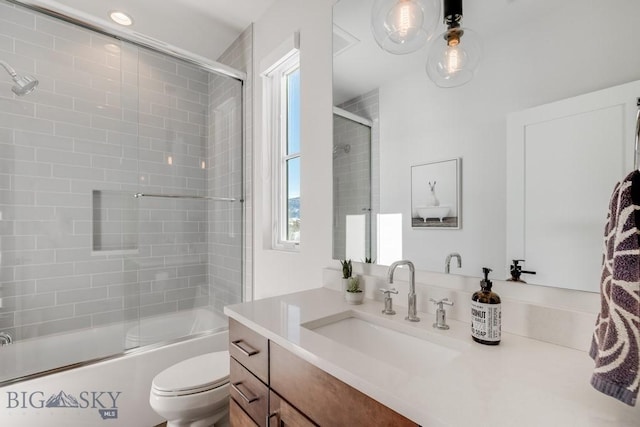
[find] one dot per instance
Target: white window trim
(275, 92)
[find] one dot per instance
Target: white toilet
(194, 392)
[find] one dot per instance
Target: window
(283, 89)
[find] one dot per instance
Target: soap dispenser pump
(486, 316)
(516, 271)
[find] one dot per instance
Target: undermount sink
(388, 341)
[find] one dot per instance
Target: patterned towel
(615, 347)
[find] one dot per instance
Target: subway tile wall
(107, 121)
(356, 174)
(239, 56)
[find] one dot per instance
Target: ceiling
(366, 66)
(204, 27)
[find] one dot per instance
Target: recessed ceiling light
(120, 18)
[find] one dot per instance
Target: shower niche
(114, 222)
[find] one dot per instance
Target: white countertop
(520, 382)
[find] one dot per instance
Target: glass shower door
(121, 213)
(68, 223)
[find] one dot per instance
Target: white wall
(277, 272)
(528, 66)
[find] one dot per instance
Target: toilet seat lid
(198, 373)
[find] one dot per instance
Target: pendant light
(404, 26)
(454, 55)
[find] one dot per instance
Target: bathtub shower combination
(121, 214)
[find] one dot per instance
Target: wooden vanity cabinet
(295, 393)
(282, 414)
(248, 376)
(250, 349)
(238, 417)
(251, 394)
(323, 398)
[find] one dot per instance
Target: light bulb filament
(405, 19)
(453, 59)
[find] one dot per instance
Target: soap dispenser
(486, 317)
(516, 271)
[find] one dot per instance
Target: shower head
(346, 148)
(23, 84)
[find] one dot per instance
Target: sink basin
(387, 340)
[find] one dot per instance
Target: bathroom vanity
(270, 382)
(309, 358)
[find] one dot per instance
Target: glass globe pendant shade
(454, 57)
(404, 26)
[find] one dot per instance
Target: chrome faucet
(5, 339)
(412, 314)
(447, 263)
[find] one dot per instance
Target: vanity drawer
(250, 349)
(323, 398)
(237, 417)
(281, 413)
(249, 392)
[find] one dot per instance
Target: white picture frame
(436, 195)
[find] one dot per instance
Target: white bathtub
(426, 212)
(109, 393)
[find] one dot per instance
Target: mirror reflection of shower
(24, 85)
(353, 214)
(340, 149)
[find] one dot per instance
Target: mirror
(535, 53)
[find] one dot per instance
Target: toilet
(194, 392)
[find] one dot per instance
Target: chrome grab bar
(177, 196)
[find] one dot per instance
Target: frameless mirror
(536, 53)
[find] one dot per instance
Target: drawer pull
(249, 399)
(245, 348)
(271, 415)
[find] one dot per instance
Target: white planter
(345, 284)
(354, 297)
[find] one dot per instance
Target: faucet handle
(388, 302)
(441, 302)
(441, 314)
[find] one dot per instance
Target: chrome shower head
(346, 148)
(23, 84)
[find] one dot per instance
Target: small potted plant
(354, 294)
(366, 266)
(347, 270)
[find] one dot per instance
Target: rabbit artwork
(432, 200)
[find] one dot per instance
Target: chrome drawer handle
(245, 348)
(249, 399)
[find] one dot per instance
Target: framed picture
(435, 195)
